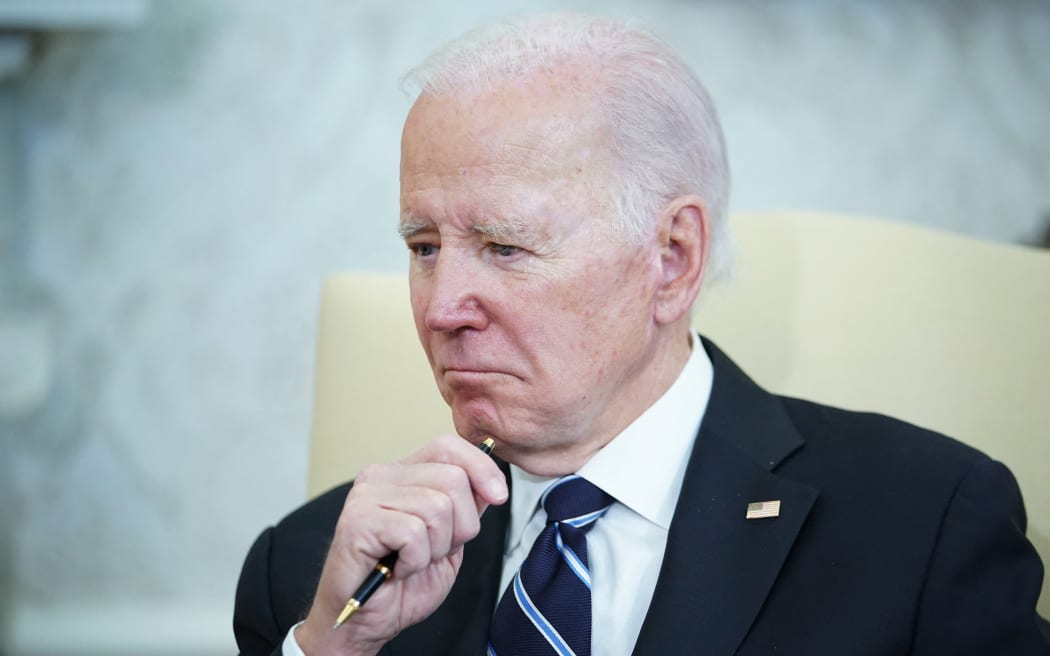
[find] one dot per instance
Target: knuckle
(446, 440)
(368, 474)
(448, 447)
(416, 530)
(454, 478)
(438, 507)
(354, 503)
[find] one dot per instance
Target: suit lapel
(718, 566)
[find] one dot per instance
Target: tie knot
(575, 501)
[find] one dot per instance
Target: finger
(486, 480)
(409, 536)
(435, 509)
(451, 503)
(366, 535)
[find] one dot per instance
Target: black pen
(384, 568)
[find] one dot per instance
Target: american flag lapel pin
(763, 509)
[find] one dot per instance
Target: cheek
(590, 315)
(615, 291)
(419, 299)
(615, 310)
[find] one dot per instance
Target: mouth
(468, 375)
(472, 370)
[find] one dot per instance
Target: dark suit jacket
(890, 540)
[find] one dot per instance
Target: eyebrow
(407, 229)
(506, 231)
(502, 231)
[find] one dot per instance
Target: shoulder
(313, 521)
(277, 580)
(866, 441)
(922, 514)
(833, 444)
(889, 480)
(298, 545)
(299, 542)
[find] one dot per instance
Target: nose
(452, 294)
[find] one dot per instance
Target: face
(537, 321)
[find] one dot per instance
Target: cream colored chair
(941, 330)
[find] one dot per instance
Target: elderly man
(563, 193)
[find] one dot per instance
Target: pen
(384, 568)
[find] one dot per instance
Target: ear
(685, 230)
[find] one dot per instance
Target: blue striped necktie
(546, 608)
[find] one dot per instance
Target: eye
(423, 249)
(504, 250)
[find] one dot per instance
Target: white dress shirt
(642, 468)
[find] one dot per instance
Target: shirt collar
(655, 448)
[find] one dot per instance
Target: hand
(425, 507)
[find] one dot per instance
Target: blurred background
(177, 178)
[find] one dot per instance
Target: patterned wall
(183, 187)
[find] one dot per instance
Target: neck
(669, 356)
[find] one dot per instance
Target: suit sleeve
(254, 623)
(984, 576)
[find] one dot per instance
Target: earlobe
(684, 247)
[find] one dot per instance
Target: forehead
(544, 129)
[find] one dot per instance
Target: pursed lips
(474, 372)
(471, 370)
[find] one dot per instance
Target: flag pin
(763, 509)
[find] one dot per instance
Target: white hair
(666, 137)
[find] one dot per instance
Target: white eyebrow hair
(505, 231)
(407, 229)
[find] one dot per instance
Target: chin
(479, 413)
(474, 421)
(538, 461)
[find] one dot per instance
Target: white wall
(187, 184)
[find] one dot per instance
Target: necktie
(546, 608)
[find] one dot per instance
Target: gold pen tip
(487, 445)
(349, 609)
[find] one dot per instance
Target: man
(563, 193)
